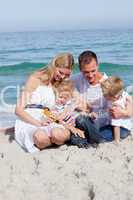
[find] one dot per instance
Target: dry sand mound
(66, 173)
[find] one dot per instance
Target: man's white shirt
(93, 95)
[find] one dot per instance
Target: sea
(22, 53)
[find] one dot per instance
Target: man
(87, 83)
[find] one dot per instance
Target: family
(83, 109)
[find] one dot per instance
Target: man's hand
(93, 115)
(78, 132)
(118, 112)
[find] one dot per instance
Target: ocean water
(24, 52)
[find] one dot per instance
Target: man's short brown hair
(86, 57)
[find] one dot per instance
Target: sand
(67, 172)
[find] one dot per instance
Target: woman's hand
(46, 122)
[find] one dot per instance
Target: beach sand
(67, 172)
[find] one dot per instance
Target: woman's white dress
(24, 131)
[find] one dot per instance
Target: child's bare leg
(116, 130)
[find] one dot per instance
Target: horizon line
(68, 29)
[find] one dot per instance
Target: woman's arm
(30, 86)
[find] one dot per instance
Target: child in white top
(113, 91)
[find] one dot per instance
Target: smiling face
(61, 73)
(90, 71)
(62, 66)
(63, 97)
(64, 92)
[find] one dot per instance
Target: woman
(30, 128)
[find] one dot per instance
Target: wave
(104, 64)
(40, 64)
(21, 67)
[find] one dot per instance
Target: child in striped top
(65, 110)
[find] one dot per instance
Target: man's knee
(41, 140)
(81, 122)
(80, 119)
(124, 133)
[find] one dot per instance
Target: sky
(22, 15)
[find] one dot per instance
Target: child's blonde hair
(65, 86)
(112, 86)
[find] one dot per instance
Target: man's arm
(118, 112)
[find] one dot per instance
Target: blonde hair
(62, 60)
(65, 86)
(46, 77)
(112, 86)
